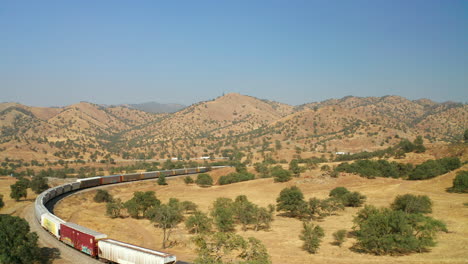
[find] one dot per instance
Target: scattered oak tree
(17, 244)
(114, 208)
(220, 248)
(19, 189)
(388, 232)
(166, 216)
(312, 236)
(39, 184)
(412, 204)
(102, 196)
(204, 180)
(291, 201)
(197, 223)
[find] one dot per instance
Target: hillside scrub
(312, 237)
(432, 168)
(280, 175)
(389, 232)
(235, 177)
(204, 180)
(405, 146)
(412, 204)
(347, 198)
(460, 183)
(382, 168)
(102, 196)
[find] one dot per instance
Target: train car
(81, 238)
(191, 171)
(165, 173)
(132, 177)
(120, 252)
(58, 190)
(110, 179)
(67, 187)
(150, 175)
(75, 185)
(51, 223)
(39, 208)
(89, 182)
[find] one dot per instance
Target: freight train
(95, 244)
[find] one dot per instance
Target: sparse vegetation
(291, 201)
(312, 236)
(102, 196)
(226, 248)
(412, 204)
(204, 180)
(460, 183)
(199, 222)
(280, 174)
(19, 189)
(340, 237)
(385, 231)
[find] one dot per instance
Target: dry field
(282, 240)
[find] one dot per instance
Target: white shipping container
(124, 253)
(51, 223)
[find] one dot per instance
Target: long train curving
(95, 244)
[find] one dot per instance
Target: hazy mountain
(154, 107)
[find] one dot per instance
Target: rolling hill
(232, 121)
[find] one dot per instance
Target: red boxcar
(81, 238)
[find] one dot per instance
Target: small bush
(188, 180)
(102, 196)
(412, 204)
(340, 237)
(235, 177)
(312, 237)
(338, 192)
(353, 199)
(280, 174)
(460, 183)
(162, 180)
(204, 180)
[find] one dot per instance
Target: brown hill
(351, 124)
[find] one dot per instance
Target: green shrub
(102, 196)
(204, 180)
(353, 199)
(460, 183)
(280, 174)
(235, 177)
(291, 200)
(384, 231)
(409, 203)
(188, 180)
(433, 168)
(340, 237)
(338, 192)
(312, 237)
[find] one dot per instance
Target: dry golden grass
(282, 240)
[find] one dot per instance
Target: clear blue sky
(62, 52)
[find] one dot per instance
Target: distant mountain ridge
(157, 108)
(232, 121)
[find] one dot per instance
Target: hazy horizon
(57, 53)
